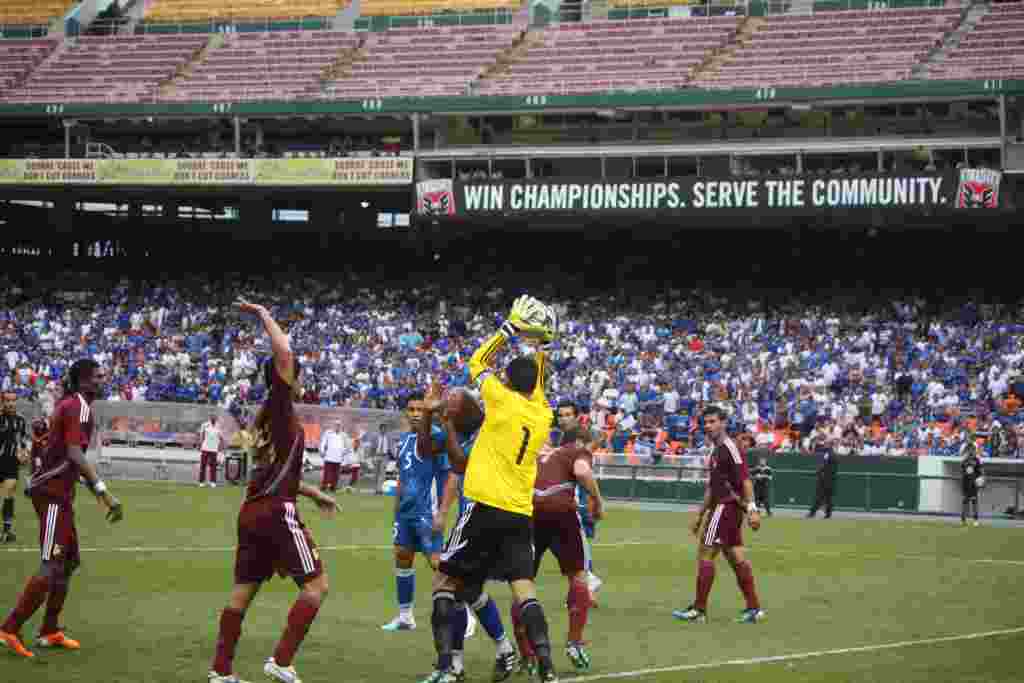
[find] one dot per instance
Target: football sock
(300, 618)
(745, 579)
(441, 622)
(705, 578)
(8, 513)
(460, 620)
(525, 649)
(976, 506)
(963, 511)
(355, 476)
(227, 640)
(28, 602)
(579, 607)
(406, 582)
(489, 617)
(536, 626)
(58, 592)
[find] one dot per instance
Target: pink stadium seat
(994, 49)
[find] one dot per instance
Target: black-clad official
(828, 468)
(762, 476)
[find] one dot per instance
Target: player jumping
(722, 530)
(493, 539)
(460, 447)
(52, 489)
(271, 536)
(557, 527)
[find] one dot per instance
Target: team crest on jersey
(57, 551)
(435, 198)
(978, 189)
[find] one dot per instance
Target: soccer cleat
(443, 677)
(13, 642)
(546, 672)
(691, 614)
(977, 523)
(751, 616)
(579, 657)
(505, 665)
(58, 640)
(8, 537)
(528, 666)
(214, 677)
(470, 624)
(284, 674)
(399, 624)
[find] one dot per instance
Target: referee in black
(14, 448)
(762, 476)
(970, 473)
(828, 467)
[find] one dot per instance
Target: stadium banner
(968, 188)
(209, 172)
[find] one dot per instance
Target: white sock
(505, 646)
(457, 663)
(405, 613)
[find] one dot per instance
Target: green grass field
(846, 599)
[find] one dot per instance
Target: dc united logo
(979, 189)
(435, 198)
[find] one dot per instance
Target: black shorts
(489, 544)
(9, 468)
(969, 489)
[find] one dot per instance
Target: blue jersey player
(422, 476)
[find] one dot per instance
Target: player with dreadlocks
(52, 489)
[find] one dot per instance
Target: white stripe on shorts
(300, 538)
(50, 532)
(712, 534)
(455, 542)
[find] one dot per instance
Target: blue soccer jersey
(584, 512)
(421, 478)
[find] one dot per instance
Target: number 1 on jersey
(522, 449)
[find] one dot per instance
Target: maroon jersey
(728, 470)
(71, 425)
(278, 476)
(554, 491)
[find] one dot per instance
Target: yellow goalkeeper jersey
(503, 465)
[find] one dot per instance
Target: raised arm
(284, 359)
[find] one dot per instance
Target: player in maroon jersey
(719, 522)
(271, 537)
(557, 527)
(52, 489)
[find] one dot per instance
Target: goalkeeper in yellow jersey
(493, 539)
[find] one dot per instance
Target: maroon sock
(745, 578)
(300, 618)
(227, 640)
(28, 602)
(355, 476)
(705, 577)
(522, 640)
(54, 605)
(579, 608)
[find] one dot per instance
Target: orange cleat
(12, 641)
(58, 640)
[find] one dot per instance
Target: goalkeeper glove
(531, 319)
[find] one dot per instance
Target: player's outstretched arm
(115, 513)
(585, 477)
(451, 492)
(284, 360)
(326, 503)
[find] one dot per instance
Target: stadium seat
(19, 57)
(834, 48)
(994, 48)
(415, 7)
(32, 12)
(183, 11)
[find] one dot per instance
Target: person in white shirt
(336, 450)
(211, 444)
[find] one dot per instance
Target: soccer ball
(980, 482)
(389, 487)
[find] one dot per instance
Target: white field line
(624, 544)
(794, 656)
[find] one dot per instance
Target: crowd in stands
(894, 378)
